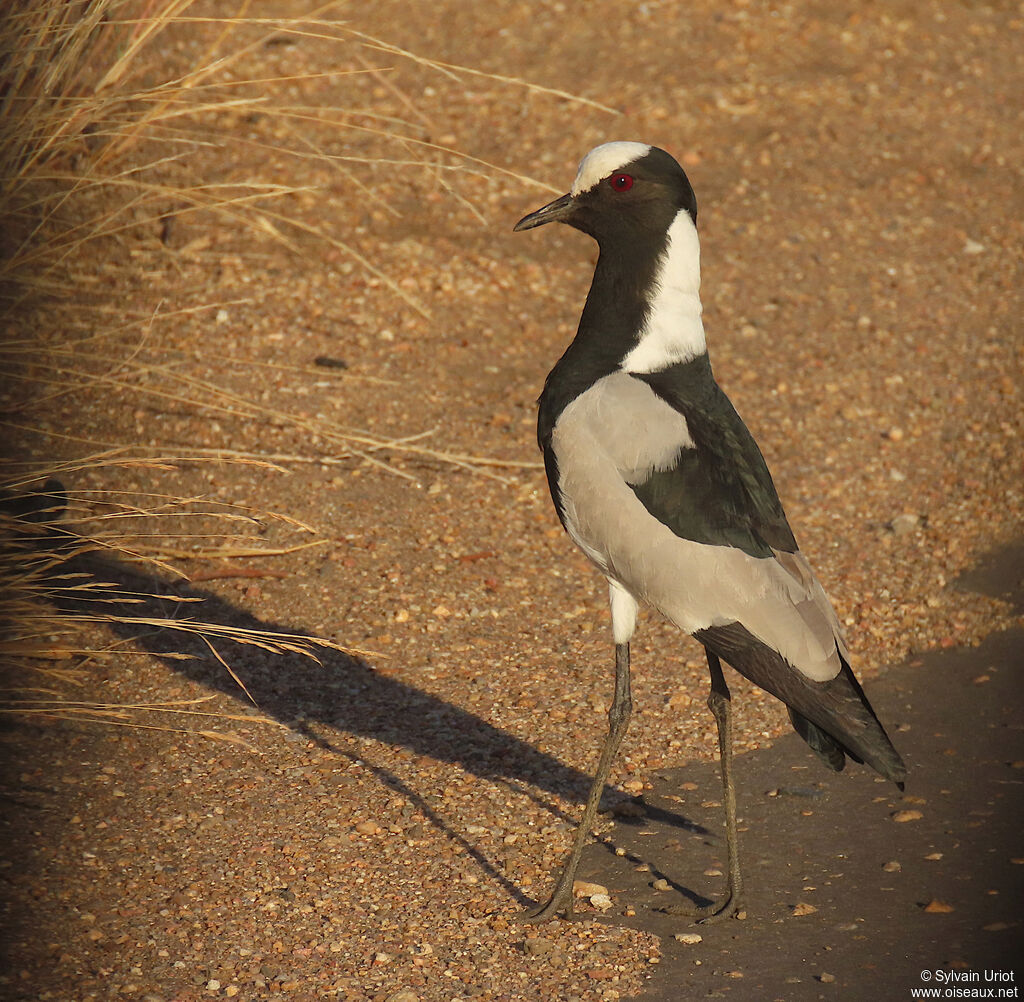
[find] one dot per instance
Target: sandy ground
(373, 827)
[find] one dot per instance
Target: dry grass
(106, 126)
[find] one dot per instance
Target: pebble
(661, 884)
(586, 889)
(689, 938)
(802, 908)
(538, 947)
(901, 817)
(903, 525)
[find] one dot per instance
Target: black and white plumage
(656, 478)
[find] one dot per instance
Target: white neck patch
(604, 160)
(673, 330)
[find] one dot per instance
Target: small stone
(585, 889)
(368, 828)
(892, 866)
(937, 907)
(661, 884)
(601, 902)
(934, 856)
(689, 938)
(538, 947)
(900, 817)
(403, 995)
(802, 908)
(973, 247)
(825, 978)
(903, 525)
(213, 985)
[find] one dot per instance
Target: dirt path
(371, 829)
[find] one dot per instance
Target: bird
(659, 482)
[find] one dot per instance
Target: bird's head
(622, 191)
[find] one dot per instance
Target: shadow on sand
(339, 692)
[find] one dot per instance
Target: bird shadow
(339, 693)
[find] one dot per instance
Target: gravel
(374, 831)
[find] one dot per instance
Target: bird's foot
(729, 908)
(554, 907)
(710, 914)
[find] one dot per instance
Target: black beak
(557, 211)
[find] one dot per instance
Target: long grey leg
(720, 704)
(618, 720)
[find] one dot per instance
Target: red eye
(621, 182)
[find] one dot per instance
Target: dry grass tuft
(114, 115)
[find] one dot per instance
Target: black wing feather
(721, 491)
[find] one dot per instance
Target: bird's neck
(672, 331)
(642, 315)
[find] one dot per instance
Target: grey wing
(609, 443)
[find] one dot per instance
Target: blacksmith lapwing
(659, 482)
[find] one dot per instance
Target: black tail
(830, 751)
(833, 717)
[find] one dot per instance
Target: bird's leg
(618, 721)
(720, 704)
